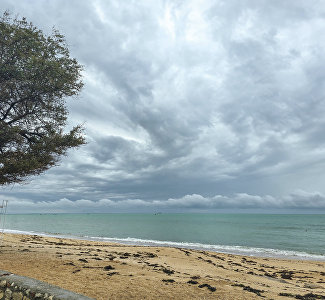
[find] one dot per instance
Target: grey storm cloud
(188, 98)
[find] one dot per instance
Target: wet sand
(114, 271)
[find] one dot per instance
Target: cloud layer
(298, 201)
(193, 98)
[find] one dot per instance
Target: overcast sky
(188, 106)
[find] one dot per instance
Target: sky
(188, 106)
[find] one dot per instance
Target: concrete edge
(35, 289)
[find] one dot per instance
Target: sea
(265, 235)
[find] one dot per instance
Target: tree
(36, 76)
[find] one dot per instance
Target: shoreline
(226, 249)
(105, 270)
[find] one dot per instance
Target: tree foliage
(36, 76)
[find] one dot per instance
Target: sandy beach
(114, 271)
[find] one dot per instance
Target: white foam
(21, 232)
(58, 235)
(241, 250)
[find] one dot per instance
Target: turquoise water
(294, 236)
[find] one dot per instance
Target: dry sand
(113, 271)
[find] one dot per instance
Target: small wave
(45, 234)
(21, 232)
(240, 250)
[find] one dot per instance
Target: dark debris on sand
(168, 271)
(250, 289)
(168, 280)
(192, 282)
(112, 273)
(309, 296)
(286, 274)
(208, 286)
